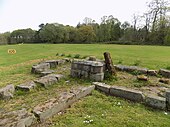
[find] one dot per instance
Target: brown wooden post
(109, 64)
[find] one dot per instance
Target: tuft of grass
(69, 55)
(77, 56)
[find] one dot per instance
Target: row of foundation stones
(40, 113)
(162, 103)
(44, 69)
(134, 69)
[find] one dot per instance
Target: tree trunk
(109, 64)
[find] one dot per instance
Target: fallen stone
(56, 105)
(82, 91)
(168, 98)
(7, 92)
(152, 72)
(102, 87)
(48, 80)
(131, 69)
(28, 86)
(155, 102)
(142, 78)
(127, 93)
(37, 69)
(164, 80)
(20, 118)
(44, 73)
(53, 63)
(165, 73)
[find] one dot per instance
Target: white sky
(21, 14)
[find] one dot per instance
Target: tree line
(152, 27)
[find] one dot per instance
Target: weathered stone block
(26, 86)
(53, 63)
(20, 118)
(97, 77)
(84, 74)
(55, 105)
(96, 68)
(102, 87)
(47, 80)
(47, 72)
(75, 73)
(142, 78)
(37, 69)
(155, 101)
(165, 73)
(60, 62)
(152, 72)
(167, 94)
(7, 92)
(127, 93)
(82, 91)
(164, 80)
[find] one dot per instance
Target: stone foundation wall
(92, 70)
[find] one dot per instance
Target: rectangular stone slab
(165, 73)
(129, 94)
(55, 105)
(168, 98)
(102, 87)
(155, 101)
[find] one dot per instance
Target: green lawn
(105, 111)
(147, 56)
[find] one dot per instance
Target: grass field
(105, 111)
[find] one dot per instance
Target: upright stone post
(109, 64)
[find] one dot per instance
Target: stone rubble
(28, 86)
(48, 80)
(7, 92)
(20, 118)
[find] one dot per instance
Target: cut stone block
(75, 73)
(47, 81)
(164, 80)
(37, 69)
(82, 91)
(97, 77)
(7, 92)
(20, 118)
(155, 102)
(55, 105)
(28, 86)
(102, 87)
(167, 94)
(131, 69)
(60, 62)
(53, 63)
(142, 78)
(44, 73)
(57, 76)
(96, 68)
(165, 73)
(152, 72)
(129, 94)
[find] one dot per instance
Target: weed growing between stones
(109, 77)
(77, 56)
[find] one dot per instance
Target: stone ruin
(92, 70)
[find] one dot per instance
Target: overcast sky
(21, 14)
